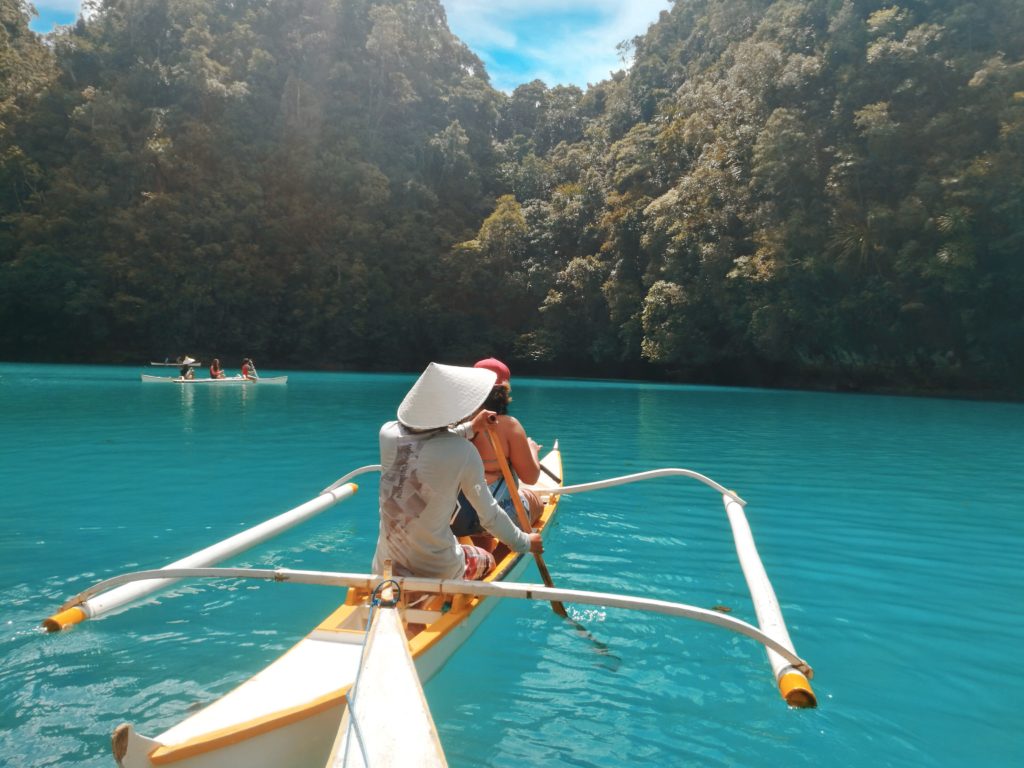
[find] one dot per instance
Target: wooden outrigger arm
(462, 587)
(75, 611)
(651, 474)
(353, 474)
(792, 674)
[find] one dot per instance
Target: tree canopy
(821, 193)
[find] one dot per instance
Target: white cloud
(523, 32)
(478, 21)
(64, 6)
(528, 8)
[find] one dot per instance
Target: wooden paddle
(613, 661)
(550, 474)
(524, 519)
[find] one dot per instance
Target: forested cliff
(823, 193)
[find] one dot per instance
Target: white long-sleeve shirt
(421, 476)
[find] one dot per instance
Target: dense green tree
(781, 192)
(249, 177)
(26, 67)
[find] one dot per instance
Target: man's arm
(492, 517)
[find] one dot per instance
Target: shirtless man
(521, 453)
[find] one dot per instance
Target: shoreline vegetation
(823, 195)
(525, 370)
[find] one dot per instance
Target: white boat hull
(289, 714)
(229, 381)
(307, 743)
(388, 692)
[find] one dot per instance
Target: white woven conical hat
(444, 395)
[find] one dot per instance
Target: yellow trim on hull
(437, 631)
(235, 734)
(339, 622)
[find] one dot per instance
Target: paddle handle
(550, 474)
(524, 519)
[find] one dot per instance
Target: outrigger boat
(297, 712)
(228, 380)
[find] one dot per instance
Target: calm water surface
(892, 530)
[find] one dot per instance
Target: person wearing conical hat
(426, 460)
(521, 453)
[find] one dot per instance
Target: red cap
(493, 364)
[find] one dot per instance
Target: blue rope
(376, 599)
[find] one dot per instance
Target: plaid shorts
(479, 562)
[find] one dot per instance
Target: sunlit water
(891, 529)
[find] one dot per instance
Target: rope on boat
(350, 697)
(388, 602)
(378, 599)
(354, 722)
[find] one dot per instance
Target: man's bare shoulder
(509, 424)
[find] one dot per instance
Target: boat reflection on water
(188, 399)
(194, 406)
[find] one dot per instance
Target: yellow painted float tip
(796, 690)
(64, 619)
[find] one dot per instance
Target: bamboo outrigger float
(292, 712)
(94, 603)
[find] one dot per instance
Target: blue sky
(557, 41)
(53, 12)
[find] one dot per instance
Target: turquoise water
(891, 529)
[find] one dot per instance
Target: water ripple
(890, 528)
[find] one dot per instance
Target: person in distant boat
(216, 372)
(426, 460)
(521, 453)
(249, 369)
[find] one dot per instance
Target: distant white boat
(148, 379)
